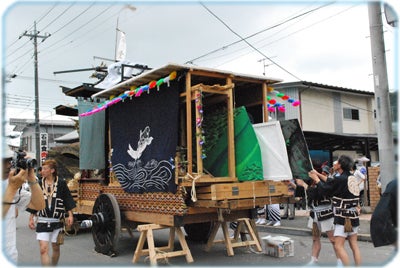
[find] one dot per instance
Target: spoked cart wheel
(106, 227)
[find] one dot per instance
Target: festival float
(185, 148)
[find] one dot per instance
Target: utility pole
(381, 88)
(34, 35)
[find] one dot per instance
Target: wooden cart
(202, 200)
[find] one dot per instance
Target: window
(352, 114)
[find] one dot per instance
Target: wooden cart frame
(217, 199)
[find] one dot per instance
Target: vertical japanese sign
(43, 146)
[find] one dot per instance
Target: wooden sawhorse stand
(233, 242)
(155, 253)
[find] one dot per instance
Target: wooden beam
(189, 122)
(215, 91)
(213, 88)
(264, 102)
(205, 180)
(231, 132)
(208, 74)
(199, 117)
(248, 203)
(210, 217)
(150, 217)
(242, 190)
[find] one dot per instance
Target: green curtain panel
(92, 137)
(247, 149)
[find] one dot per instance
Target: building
(53, 128)
(335, 120)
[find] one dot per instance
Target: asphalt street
(79, 250)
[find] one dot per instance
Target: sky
(316, 41)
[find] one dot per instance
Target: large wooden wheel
(106, 228)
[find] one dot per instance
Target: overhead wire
(73, 19)
(16, 50)
(13, 43)
(16, 101)
(249, 44)
(256, 42)
(24, 77)
(59, 16)
(47, 13)
(259, 32)
(19, 48)
(309, 26)
(38, 20)
(22, 67)
(47, 51)
(68, 23)
(14, 60)
(286, 36)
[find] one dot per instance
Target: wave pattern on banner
(138, 178)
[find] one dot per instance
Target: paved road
(79, 251)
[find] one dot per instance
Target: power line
(47, 13)
(77, 29)
(256, 33)
(265, 55)
(244, 40)
(85, 34)
(46, 52)
(59, 16)
(309, 26)
(283, 37)
(73, 19)
(17, 49)
(47, 79)
(20, 69)
(28, 51)
(10, 45)
(38, 20)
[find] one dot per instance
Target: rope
(193, 190)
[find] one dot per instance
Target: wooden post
(189, 122)
(232, 243)
(231, 132)
(264, 101)
(156, 253)
(199, 102)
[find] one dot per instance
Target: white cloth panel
(273, 151)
